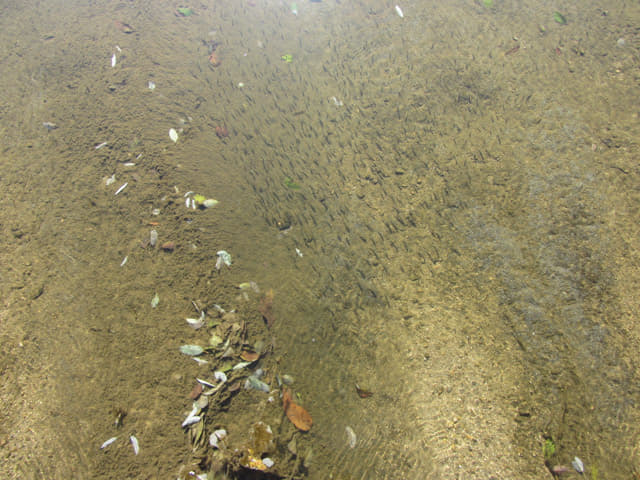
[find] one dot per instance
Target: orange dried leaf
(249, 356)
(195, 393)
(295, 413)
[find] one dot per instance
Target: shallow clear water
(443, 205)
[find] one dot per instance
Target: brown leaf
(195, 393)
(362, 393)
(249, 356)
(295, 413)
(168, 246)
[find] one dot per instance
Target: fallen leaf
(266, 308)
(295, 413)
(249, 356)
(195, 393)
(168, 246)
(362, 393)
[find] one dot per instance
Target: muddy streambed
(443, 205)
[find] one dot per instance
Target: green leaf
(185, 11)
(549, 448)
(559, 18)
(289, 183)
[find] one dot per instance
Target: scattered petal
(108, 442)
(216, 437)
(240, 365)
(192, 350)
(351, 437)
(155, 300)
(122, 187)
(135, 444)
(223, 258)
(195, 323)
(577, 464)
(205, 383)
(190, 420)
